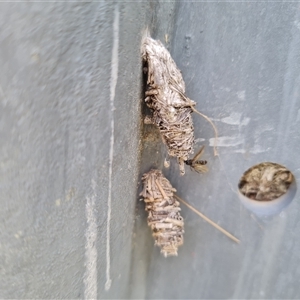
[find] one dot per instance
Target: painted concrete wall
(73, 148)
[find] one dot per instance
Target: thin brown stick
(213, 125)
(208, 220)
(161, 190)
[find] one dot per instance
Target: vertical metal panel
(240, 63)
(55, 131)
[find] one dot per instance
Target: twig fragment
(208, 220)
(213, 126)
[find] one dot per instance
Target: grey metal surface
(56, 84)
(241, 63)
(67, 71)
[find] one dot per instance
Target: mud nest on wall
(165, 96)
(163, 212)
(265, 182)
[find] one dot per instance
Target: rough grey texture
(240, 62)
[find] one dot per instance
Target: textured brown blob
(165, 95)
(266, 181)
(163, 212)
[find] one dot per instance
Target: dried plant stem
(161, 190)
(208, 220)
(213, 126)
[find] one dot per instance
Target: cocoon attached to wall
(163, 212)
(165, 97)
